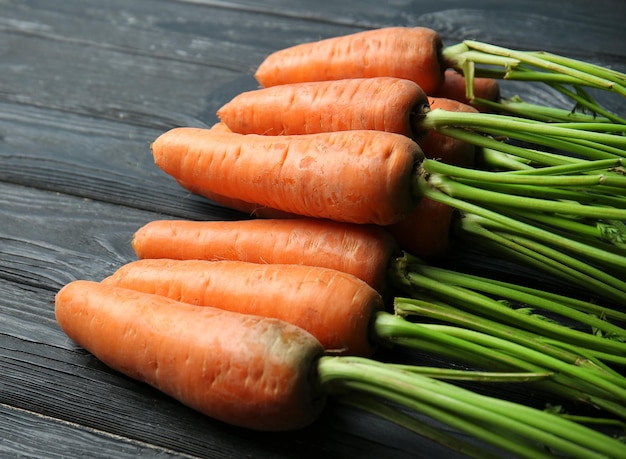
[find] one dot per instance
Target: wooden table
(85, 86)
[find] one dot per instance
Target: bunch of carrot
(349, 161)
(191, 261)
(251, 343)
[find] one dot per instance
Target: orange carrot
(220, 127)
(445, 148)
(454, 87)
(335, 307)
(246, 370)
(379, 103)
(361, 250)
(249, 208)
(412, 53)
(353, 176)
(425, 233)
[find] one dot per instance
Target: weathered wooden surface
(85, 86)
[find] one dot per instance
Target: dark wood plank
(25, 433)
(85, 87)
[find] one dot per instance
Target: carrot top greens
(568, 76)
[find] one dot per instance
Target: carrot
(445, 148)
(455, 87)
(360, 250)
(367, 175)
(412, 53)
(375, 177)
(335, 307)
(249, 208)
(427, 231)
(383, 104)
(265, 374)
(176, 279)
(245, 370)
(380, 103)
(417, 54)
(220, 127)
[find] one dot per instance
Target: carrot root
(378, 103)
(333, 306)
(249, 371)
(412, 53)
(363, 251)
(352, 176)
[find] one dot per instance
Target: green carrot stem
(439, 341)
(607, 150)
(385, 411)
(478, 140)
(549, 176)
(601, 235)
(450, 374)
(525, 74)
(536, 353)
(492, 285)
(496, 160)
(515, 106)
(585, 102)
(566, 267)
(593, 151)
(588, 104)
(486, 306)
(465, 192)
(577, 195)
(594, 420)
(575, 167)
(511, 292)
(601, 71)
(603, 275)
(504, 442)
(602, 359)
(580, 305)
(539, 426)
(582, 369)
(423, 188)
(572, 146)
(596, 126)
(586, 73)
(513, 125)
(597, 261)
(394, 330)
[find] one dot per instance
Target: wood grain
(85, 86)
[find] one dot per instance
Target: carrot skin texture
(378, 103)
(445, 148)
(333, 306)
(352, 176)
(363, 251)
(245, 370)
(412, 53)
